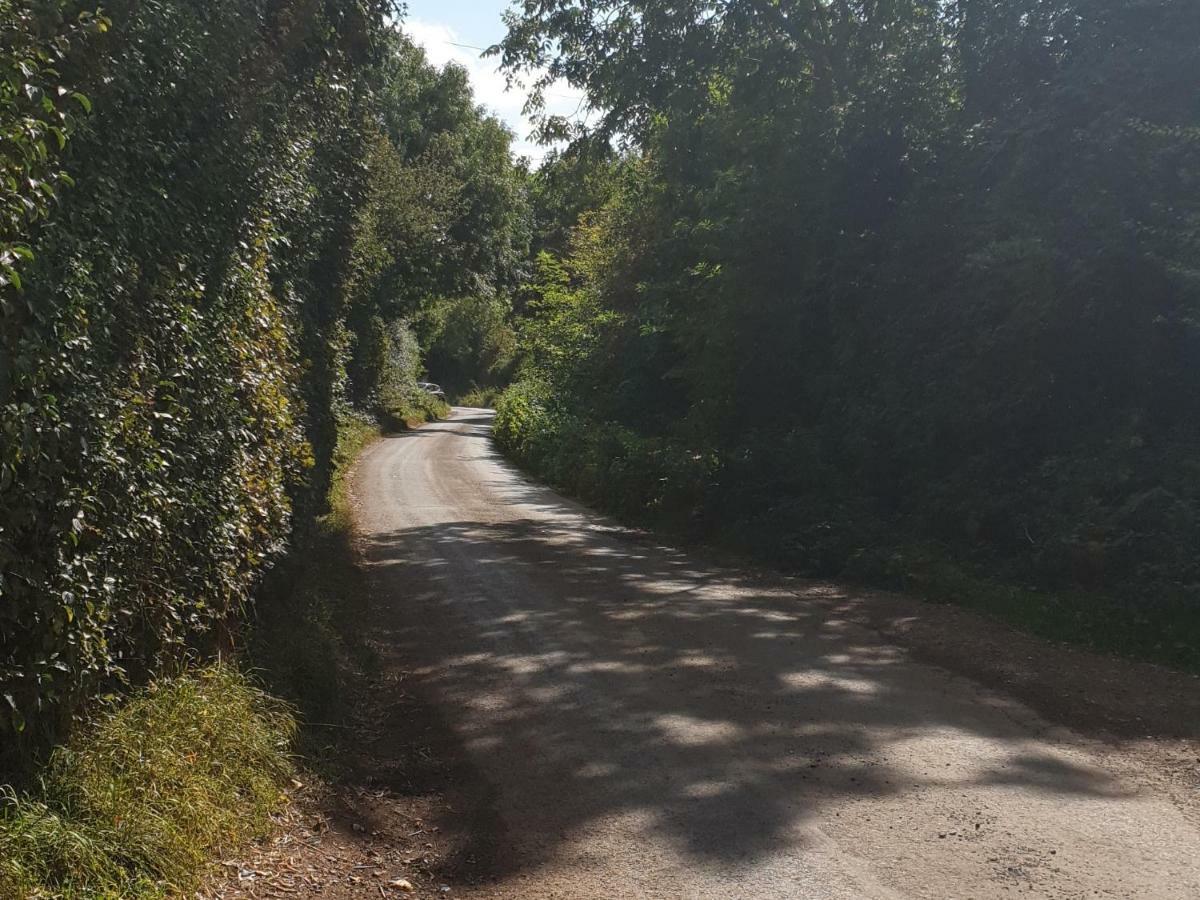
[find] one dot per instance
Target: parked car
(430, 388)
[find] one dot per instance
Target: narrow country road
(649, 726)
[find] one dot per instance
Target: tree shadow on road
(592, 675)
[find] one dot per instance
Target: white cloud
(443, 45)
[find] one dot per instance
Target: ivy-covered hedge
(164, 367)
(148, 388)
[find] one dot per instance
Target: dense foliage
(909, 290)
(202, 278)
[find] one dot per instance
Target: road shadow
(590, 674)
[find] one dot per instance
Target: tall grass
(138, 803)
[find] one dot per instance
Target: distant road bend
(652, 726)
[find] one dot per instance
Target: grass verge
(139, 802)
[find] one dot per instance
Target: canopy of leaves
(37, 112)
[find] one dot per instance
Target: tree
(918, 276)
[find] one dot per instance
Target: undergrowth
(663, 484)
(410, 407)
(138, 802)
(480, 398)
(307, 639)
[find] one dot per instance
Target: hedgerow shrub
(152, 394)
(644, 479)
(204, 282)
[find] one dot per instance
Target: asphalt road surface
(648, 725)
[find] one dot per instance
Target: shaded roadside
(387, 803)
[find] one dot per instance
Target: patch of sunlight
(609, 666)
(690, 731)
(805, 681)
(597, 770)
(706, 790)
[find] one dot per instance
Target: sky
(452, 30)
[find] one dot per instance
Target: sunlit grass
(138, 803)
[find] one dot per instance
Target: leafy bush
(479, 397)
(149, 387)
(643, 479)
(38, 112)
